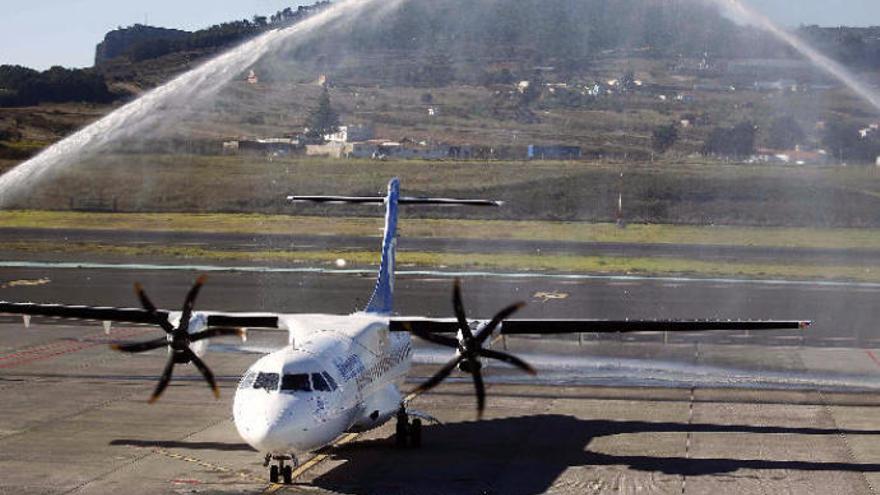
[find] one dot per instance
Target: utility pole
(621, 223)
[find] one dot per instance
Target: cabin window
(266, 381)
(320, 383)
(330, 380)
(296, 383)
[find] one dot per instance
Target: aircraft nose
(276, 425)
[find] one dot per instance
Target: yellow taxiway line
(311, 463)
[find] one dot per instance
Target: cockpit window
(248, 380)
(320, 383)
(296, 383)
(266, 381)
(330, 380)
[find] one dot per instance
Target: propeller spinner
(178, 339)
(469, 348)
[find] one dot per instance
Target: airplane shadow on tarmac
(525, 455)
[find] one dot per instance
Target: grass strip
(840, 238)
(599, 265)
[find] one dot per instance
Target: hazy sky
(42, 33)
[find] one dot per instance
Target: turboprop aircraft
(344, 373)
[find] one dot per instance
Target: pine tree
(323, 119)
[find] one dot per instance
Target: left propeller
(178, 339)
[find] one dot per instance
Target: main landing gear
(408, 433)
(280, 470)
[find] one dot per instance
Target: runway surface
(844, 314)
(74, 419)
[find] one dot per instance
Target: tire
(415, 434)
(402, 433)
(287, 474)
(273, 474)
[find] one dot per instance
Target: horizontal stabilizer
(404, 200)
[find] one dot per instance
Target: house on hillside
(779, 85)
(267, 146)
(406, 149)
(553, 152)
(796, 156)
(332, 149)
(351, 134)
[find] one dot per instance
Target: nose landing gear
(407, 433)
(280, 470)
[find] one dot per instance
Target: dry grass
(598, 265)
(442, 228)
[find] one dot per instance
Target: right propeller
(469, 348)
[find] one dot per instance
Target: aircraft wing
(549, 327)
(134, 315)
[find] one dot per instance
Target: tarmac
(74, 419)
(779, 412)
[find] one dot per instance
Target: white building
(350, 134)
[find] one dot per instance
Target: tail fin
(382, 300)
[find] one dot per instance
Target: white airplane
(344, 373)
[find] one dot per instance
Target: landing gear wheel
(415, 433)
(287, 474)
(273, 474)
(402, 429)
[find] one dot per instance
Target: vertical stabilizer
(382, 300)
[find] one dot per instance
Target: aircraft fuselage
(340, 374)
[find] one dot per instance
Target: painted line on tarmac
(436, 273)
(311, 463)
(205, 464)
(873, 357)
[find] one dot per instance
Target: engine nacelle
(197, 323)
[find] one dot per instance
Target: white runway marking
(444, 274)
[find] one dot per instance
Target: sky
(43, 33)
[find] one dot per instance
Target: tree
(664, 137)
(628, 81)
(737, 142)
(846, 142)
(785, 133)
(323, 119)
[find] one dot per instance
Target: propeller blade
(164, 380)
(190, 302)
(509, 359)
(441, 375)
(458, 306)
(140, 346)
(151, 308)
(217, 332)
(435, 338)
(206, 372)
(481, 392)
(497, 319)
